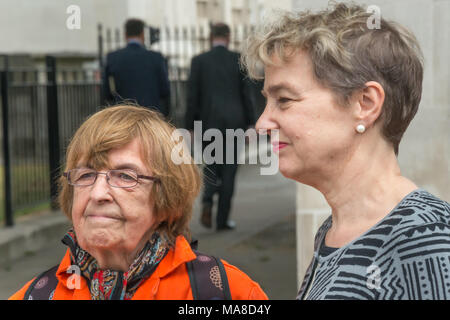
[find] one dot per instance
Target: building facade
(46, 26)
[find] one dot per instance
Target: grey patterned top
(405, 256)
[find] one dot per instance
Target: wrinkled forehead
(99, 157)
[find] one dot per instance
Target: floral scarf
(111, 284)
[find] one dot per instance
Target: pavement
(262, 245)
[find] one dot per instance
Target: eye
(283, 100)
(126, 176)
(85, 176)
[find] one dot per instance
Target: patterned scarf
(116, 285)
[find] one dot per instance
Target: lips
(98, 216)
(278, 145)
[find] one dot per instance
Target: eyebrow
(120, 166)
(281, 86)
(127, 166)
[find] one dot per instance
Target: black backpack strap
(43, 287)
(225, 284)
(208, 278)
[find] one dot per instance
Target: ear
(370, 102)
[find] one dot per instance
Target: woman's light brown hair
(114, 127)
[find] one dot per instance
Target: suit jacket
(218, 92)
(138, 74)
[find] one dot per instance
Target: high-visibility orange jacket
(170, 280)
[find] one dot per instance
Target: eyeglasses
(123, 178)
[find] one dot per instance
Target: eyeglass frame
(139, 176)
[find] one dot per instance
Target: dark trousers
(219, 178)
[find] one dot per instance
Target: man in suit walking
(218, 97)
(136, 73)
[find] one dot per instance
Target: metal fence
(177, 44)
(41, 109)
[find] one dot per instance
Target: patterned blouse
(405, 256)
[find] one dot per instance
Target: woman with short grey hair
(340, 96)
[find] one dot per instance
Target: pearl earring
(361, 128)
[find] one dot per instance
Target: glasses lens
(123, 178)
(82, 177)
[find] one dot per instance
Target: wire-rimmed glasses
(119, 178)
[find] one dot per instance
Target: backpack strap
(208, 278)
(43, 287)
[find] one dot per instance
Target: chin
(298, 175)
(288, 170)
(99, 239)
(291, 174)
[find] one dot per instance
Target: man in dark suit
(218, 97)
(135, 73)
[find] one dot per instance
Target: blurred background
(51, 57)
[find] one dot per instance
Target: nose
(266, 122)
(100, 190)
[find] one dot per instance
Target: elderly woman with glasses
(340, 96)
(130, 207)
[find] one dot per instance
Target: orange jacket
(170, 280)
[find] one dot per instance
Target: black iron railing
(41, 109)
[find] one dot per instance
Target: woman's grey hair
(346, 54)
